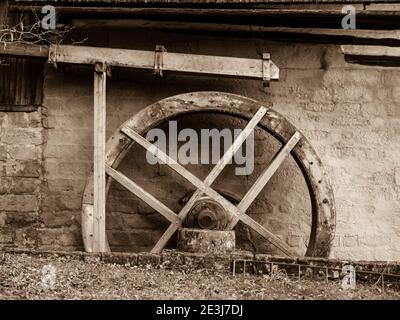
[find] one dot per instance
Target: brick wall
(350, 113)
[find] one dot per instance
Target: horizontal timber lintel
(139, 59)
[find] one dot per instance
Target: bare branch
(34, 33)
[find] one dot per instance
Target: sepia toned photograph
(212, 151)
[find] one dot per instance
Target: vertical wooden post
(99, 133)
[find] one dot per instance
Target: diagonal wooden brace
(263, 179)
(211, 177)
(163, 157)
(144, 195)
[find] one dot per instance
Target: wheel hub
(207, 214)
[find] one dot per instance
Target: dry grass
(21, 275)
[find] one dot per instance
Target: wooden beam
(145, 196)
(292, 11)
(99, 229)
(263, 179)
(372, 55)
(24, 49)
(139, 59)
(277, 13)
(321, 34)
(220, 165)
(375, 51)
(219, 3)
(173, 62)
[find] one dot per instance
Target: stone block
(27, 169)
(121, 258)
(148, 259)
(350, 241)
(18, 203)
(24, 152)
(3, 153)
(17, 136)
(6, 236)
(397, 176)
(207, 241)
(25, 185)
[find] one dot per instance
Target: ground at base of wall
(24, 276)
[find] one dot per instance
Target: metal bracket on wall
(266, 69)
(159, 60)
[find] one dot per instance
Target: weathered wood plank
(376, 51)
(243, 30)
(372, 55)
(99, 229)
(174, 62)
(211, 12)
(21, 83)
(139, 59)
(87, 226)
(217, 169)
(263, 179)
(145, 196)
(24, 49)
(208, 2)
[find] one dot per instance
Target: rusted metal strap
(266, 67)
(159, 60)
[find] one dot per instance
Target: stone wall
(21, 176)
(350, 113)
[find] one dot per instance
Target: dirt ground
(27, 277)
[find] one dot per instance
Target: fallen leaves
(20, 278)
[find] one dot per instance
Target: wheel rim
(319, 188)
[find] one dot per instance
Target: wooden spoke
(180, 169)
(266, 176)
(144, 195)
(211, 177)
(205, 189)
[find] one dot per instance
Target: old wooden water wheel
(205, 206)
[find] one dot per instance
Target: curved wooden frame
(322, 200)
